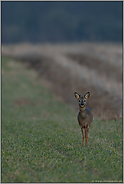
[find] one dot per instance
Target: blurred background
(50, 49)
(42, 21)
(74, 46)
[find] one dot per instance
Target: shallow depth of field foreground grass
(41, 138)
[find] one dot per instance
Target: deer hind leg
(86, 136)
(83, 132)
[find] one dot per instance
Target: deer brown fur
(85, 116)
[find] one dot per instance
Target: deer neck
(83, 112)
(82, 108)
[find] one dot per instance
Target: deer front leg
(87, 141)
(83, 132)
(86, 134)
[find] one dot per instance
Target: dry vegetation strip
(101, 66)
(78, 67)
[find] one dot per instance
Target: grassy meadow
(41, 138)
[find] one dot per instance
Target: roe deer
(85, 116)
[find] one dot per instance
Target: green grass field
(41, 138)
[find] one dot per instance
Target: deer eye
(79, 101)
(84, 100)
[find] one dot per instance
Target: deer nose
(82, 104)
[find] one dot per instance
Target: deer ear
(87, 95)
(76, 95)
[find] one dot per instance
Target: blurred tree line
(62, 21)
